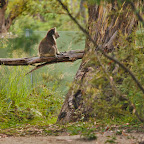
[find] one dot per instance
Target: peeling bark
(105, 24)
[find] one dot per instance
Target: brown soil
(106, 138)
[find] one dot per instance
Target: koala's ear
(54, 29)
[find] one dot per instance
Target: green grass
(36, 99)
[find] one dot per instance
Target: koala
(48, 46)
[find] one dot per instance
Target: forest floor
(107, 137)
(72, 134)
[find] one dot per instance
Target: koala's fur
(48, 46)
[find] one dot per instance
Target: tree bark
(3, 6)
(83, 11)
(6, 22)
(69, 56)
(106, 24)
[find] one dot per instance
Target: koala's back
(47, 48)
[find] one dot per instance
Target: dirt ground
(106, 138)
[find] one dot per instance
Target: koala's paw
(56, 56)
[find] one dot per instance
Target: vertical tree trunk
(6, 22)
(83, 11)
(106, 24)
(71, 5)
(3, 6)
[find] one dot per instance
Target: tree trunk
(6, 22)
(106, 24)
(83, 12)
(3, 6)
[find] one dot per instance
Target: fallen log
(69, 56)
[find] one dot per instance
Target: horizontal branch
(62, 57)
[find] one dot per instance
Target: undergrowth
(104, 96)
(24, 102)
(37, 99)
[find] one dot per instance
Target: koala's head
(53, 32)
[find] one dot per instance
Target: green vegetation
(35, 100)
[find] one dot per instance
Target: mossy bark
(106, 24)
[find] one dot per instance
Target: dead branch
(62, 57)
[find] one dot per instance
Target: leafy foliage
(23, 43)
(39, 15)
(131, 55)
(39, 103)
